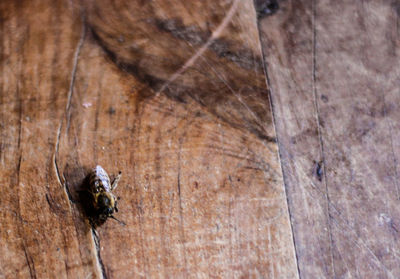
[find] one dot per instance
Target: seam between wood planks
(269, 90)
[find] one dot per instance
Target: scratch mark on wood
(135, 136)
(318, 120)
(29, 259)
(20, 119)
(157, 172)
(347, 266)
(243, 103)
(230, 223)
(364, 245)
(392, 225)
(182, 231)
(392, 148)
(193, 59)
(96, 118)
(346, 227)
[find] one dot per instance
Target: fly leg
(115, 182)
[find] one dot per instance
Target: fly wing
(103, 178)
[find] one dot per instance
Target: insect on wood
(103, 200)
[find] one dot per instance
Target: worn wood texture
(173, 94)
(334, 74)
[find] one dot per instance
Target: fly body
(100, 188)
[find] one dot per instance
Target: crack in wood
(99, 261)
(73, 73)
(67, 114)
(96, 240)
(30, 263)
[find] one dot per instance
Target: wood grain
(39, 234)
(217, 48)
(170, 93)
(333, 68)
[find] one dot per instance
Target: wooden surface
(230, 169)
(334, 73)
(175, 97)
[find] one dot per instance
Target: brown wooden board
(173, 94)
(334, 74)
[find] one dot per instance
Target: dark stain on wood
(241, 83)
(190, 34)
(318, 170)
(266, 7)
(111, 110)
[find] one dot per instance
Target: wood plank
(170, 93)
(38, 233)
(333, 68)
